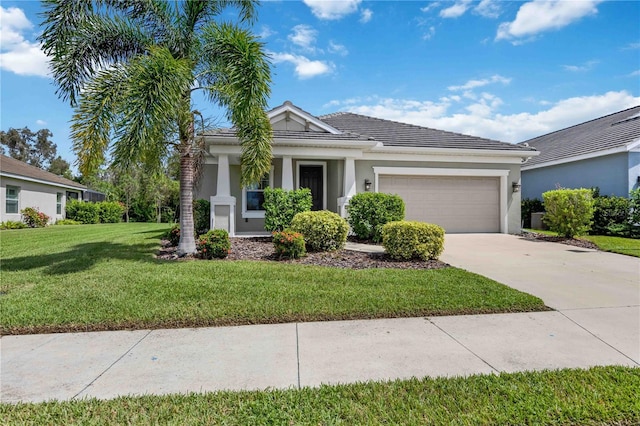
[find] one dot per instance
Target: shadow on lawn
(82, 257)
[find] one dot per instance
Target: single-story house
(603, 153)
(23, 185)
(463, 183)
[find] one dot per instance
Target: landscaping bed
(261, 248)
(556, 239)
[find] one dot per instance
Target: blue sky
(503, 70)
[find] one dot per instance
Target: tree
(130, 69)
(36, 149)
(60, 166)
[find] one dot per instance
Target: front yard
(106, 277)
(620, 245)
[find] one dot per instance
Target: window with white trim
(253, 197)
(59, 203)
(11, 199)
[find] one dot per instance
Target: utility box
(536, 221)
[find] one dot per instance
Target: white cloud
(472, 84)
(634, 74)
(338, 49)
(457, 10)
(587, 66)
(543, 15)
(303, 36)
(631, 46)
(333, 9)
(430, 33)
(266, 32)
(481, 118)
(304, 67)
(488, 9)
(41, 122)
(17, 54)
(366, 15)
(431, 6)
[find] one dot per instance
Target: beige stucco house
(22, 185)
(463, 183)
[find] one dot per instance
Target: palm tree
(130, 68)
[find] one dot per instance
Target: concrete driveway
(598, 291)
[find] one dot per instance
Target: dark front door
(311, 177)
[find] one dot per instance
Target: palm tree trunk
(187, 244)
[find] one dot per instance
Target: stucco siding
(610, 173)
(634, 170)
(206, 186)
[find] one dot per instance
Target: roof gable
(289, 117)
(11, 167)
(617, 132)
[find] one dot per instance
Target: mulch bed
(568, 241)
(261, 248)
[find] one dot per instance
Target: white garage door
(458, 204)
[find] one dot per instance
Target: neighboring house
(463, 183)
(603, 153)
(22, 185)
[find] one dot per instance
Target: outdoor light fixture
(516, 187)
(367, 185)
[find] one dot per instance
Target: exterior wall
(208, 182)
(634, 170)
(33, 194)
(364, 170)
(610, 173)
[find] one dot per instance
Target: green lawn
(598, 396)
(620, 245)
(99, 277)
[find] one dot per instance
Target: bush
(201, 216)
(214, 244)
(369, 211)
(12, 224)
(110, 211)
(528, 206)
(173, 235)
(322, 230)
(34, 218)
(289, 244)
(610, 216)
(67, 222)
(569, 212)
(405, 240)
(280, 206)
(634, 213)
(86, 213)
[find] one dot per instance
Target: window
(59, 203)
(12, 199)
(253, 197)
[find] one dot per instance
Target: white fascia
(630, 147)
(448, 155)
(288, 106)
(43, 182)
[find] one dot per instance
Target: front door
(311, 177)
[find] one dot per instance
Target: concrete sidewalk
(597, 323)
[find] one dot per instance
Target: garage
(457, 203)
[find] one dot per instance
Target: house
(22, 185)
(463, 183)
(603, 153)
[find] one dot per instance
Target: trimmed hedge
(280, 206)
(610, 216)
(322, 230)
(87, 213)
(569, 212)
(369, 211)
(404, 240)
(110, 211)
(214, 244)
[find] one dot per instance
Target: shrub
(201, 216)
(528, 206)
(322, 230)
(369, 211)
(12, 224)
(289, 244)
(610, 216)
(110, 211)
(634, 213)
(568, 211)
(67, 222)
(404, 240)
(86, 213)
(280, 206)
(34, 218)
(214, 244)
(173, 235)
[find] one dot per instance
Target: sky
(505, 70)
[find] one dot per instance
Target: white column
(349, 189)
(224, 179)
(287, 172)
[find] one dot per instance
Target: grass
(620, 245)
(105, 277)
(598, 396)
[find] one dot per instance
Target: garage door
(458, 204)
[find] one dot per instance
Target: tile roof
(291, 134)
(16, 167)
(393, 133)
(604, 133)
